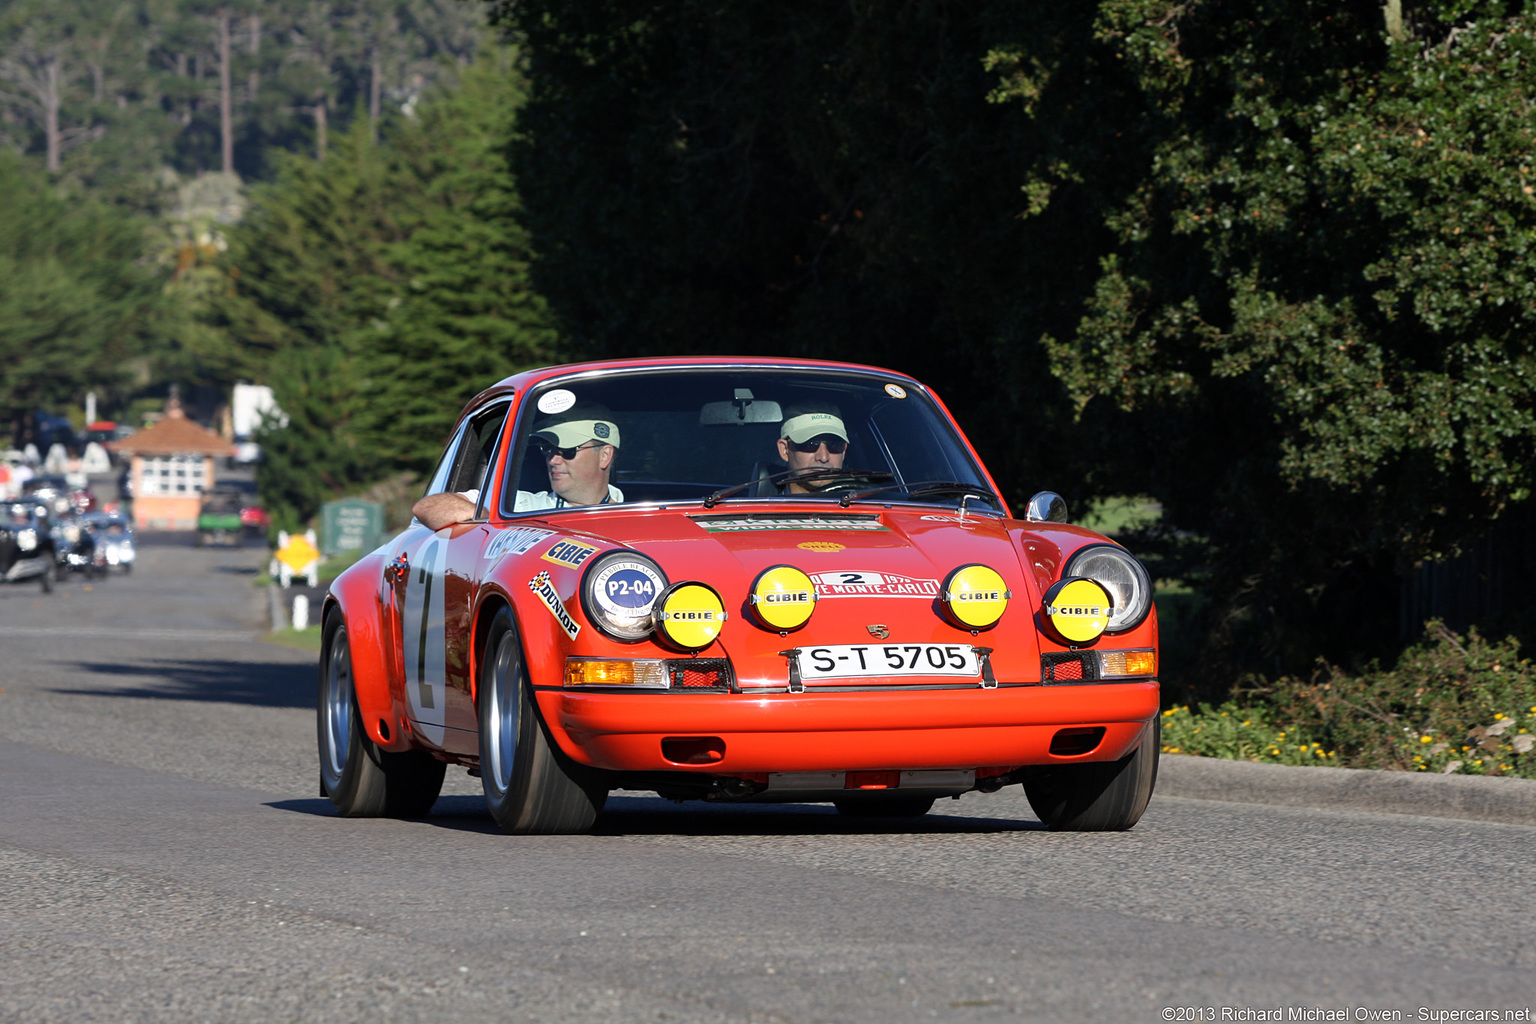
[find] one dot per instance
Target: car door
(436, 578)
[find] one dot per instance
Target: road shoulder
(1467, 797)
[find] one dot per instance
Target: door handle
(397, 570)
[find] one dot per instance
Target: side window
(470, 453)
(445, 464)
(477, 452)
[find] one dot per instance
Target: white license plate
(845, 660)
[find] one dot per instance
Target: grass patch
(1121, 514)
(1452, 704)
(307, 639)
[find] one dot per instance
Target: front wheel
(48, 576)
(362, 780)
(530, 786)
(1106, 796)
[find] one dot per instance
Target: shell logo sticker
(1077, 609)
(819, 545)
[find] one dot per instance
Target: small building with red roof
(172, 464)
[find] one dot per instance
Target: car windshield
(717, 436)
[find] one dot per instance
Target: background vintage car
(26, 544)
(893, 638)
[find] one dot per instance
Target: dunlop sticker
(545, 590)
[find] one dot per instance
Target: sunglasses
(835, 445)
(549, 451)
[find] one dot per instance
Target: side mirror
(1046, 507)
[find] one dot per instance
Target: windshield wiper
(831, 477)
(919, 489)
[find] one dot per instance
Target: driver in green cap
(811, 439)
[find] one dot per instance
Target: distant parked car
(26, 548)
(62, 498)
(218, 519)
(114, 540)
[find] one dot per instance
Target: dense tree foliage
(114, 92)
(380, 289)
(1268, 263)
(78, 309)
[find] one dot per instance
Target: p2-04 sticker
(545, 590)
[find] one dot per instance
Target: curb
(1466, 797)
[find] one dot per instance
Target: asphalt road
(164, 857)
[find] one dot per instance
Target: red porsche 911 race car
(735, 580)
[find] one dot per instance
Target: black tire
(1107, 796)
(362, 780)
(898, 805)
(530, 787)
(48, 576)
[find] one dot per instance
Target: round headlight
(690, 615)
(26, 539)
(619, 593)
(974, 597)
(1128, 584)
(783, 598)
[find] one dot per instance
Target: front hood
(872, 571)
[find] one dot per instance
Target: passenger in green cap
(578, 448)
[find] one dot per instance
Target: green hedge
(1452, 704)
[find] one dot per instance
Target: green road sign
(350, 525)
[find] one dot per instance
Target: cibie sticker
(514, 542)
(569, 552)
(557, 400)
(626, 589)
(896, 391)
(545, 591)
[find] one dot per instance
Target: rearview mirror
(741, 411)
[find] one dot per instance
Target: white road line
(86, 633)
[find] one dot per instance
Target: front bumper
(797, 732)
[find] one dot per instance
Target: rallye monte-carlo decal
(863, 583)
